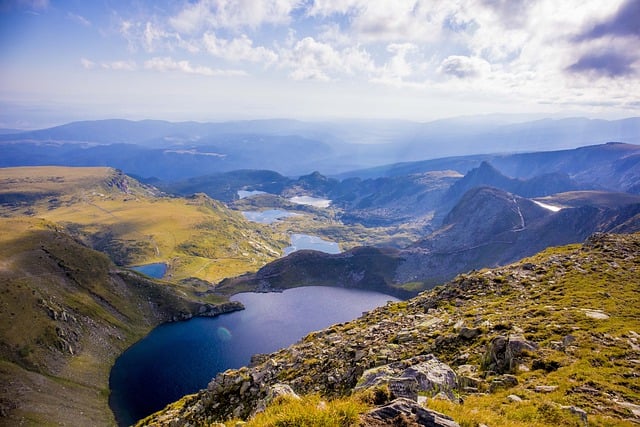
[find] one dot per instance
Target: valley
(74, 236)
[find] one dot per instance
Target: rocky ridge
(550, 339)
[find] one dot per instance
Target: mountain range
(172, 151)
(113, 194)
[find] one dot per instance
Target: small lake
(305, 241)
(180, 358)
(268, 216)
(156, 270)
(311, 201)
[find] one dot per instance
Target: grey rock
(469, 333)
(430, 375)
(408, 413)
(404, 387)
(503, 353)
(274, 392)
(568, 340)
(545, 388)
(503, 382)
(581, 413)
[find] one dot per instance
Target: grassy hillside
(569, 317)
(66, 312)
(196, 237)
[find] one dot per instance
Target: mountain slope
(66, 312)
(568, 317)
(134, 224)
(486, 175)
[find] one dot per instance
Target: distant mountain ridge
(487, 175)
(297, 148)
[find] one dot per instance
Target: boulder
(469, 333)
(408, 377)
(274, 392)
(503, 353)
(505, 381)
(405, 412)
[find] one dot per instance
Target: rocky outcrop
(420, 374)
(405, 413)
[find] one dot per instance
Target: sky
(215, 60)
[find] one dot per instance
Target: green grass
(309, 411)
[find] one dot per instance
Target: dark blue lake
(180, 358)
(157, 270)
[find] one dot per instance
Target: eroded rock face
(406, 413)
(406, 378)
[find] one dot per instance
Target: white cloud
(399, 67)
(87, 64)
(232, 14)
(152, 35)
(314, 60)
(385, 21)
(238, 49)
(464, 66)
(518, 50)
(333, 7)
(192, 18)
(165, 64)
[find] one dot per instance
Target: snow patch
(546, 206)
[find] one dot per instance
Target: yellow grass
(195, 237)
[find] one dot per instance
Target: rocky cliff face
(551, 338)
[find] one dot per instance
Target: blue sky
(212, 60)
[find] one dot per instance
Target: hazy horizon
(219, 60)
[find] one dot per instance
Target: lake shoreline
(226, 331)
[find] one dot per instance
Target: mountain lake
(305, 241)
(267, 217)
(180, 358)
(156, 270)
